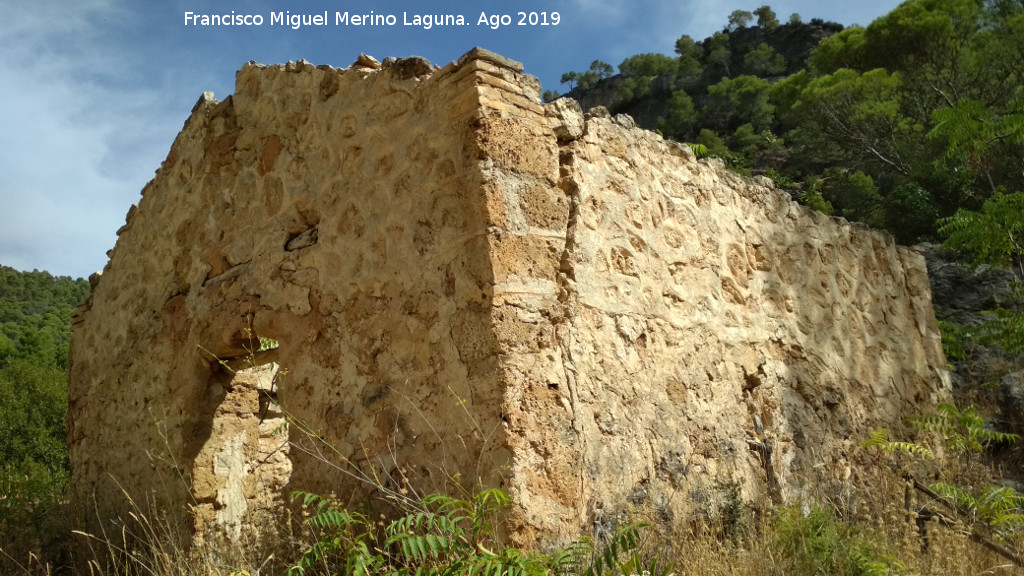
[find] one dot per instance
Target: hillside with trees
(35, 316)
(897, 124)
(35, 331)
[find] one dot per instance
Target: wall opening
(240, 474)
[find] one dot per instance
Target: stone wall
(468, 286)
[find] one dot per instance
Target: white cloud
(68, 176)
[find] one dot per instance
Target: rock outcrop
(470, 286)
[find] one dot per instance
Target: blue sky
(93, 92)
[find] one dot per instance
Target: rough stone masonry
(470, 286)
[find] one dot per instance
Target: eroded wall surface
(470, 286)
(339, 213)
(709, 332)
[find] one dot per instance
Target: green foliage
(781, 181)
(712, 143)
(766, 18)
(961, 431)
(992, 235)
(740, 19)
(926, 39)
(736, 101)
(718, 56)
(757, 148)
(989, 236)
(586, 80)
(689, 65)
(602, 69)
(856, 117)
(681, 114)
(35, 330)
(745, 139)
(442, 535)
(880, 439)
(980, 140)
(1003, 329)
(784, 94)
(716, 148)
(812, 198)
(795, 19)
(910, 212)
(648, 65)
(763, 61)
(35, 315)
(954, 339)
(634, 87)
(617, 556)
(33, 440)
(842, 50)
(854, 196)
(815, 541)
(1000, 507)
(972, 128)
(699, 150)
(686, 47)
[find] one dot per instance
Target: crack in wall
(568, 299)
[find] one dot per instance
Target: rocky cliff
(468, 286)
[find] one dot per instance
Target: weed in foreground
(442, 535)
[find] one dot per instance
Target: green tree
(856, 120)
(784, 95)
(35, 315)
(910, 212)
(681, 115)
(763, 61)
(795, 19)
(766, 18)
(33, 445)
(741, 100)
(632, 88)
(959, 65)
(853, 196)
(586, 80)
(843, 50)
(718, 57)
(981, 140)
(812, 198)
(713, 143)
(761, 149)
(686, 47)
(948, 50)
(739, 19)
(993, 235)
(602, 69)
(689, 66)
(648, 64)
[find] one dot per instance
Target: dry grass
(870, 528)
(867, 531)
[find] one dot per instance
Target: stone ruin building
(470, 286)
